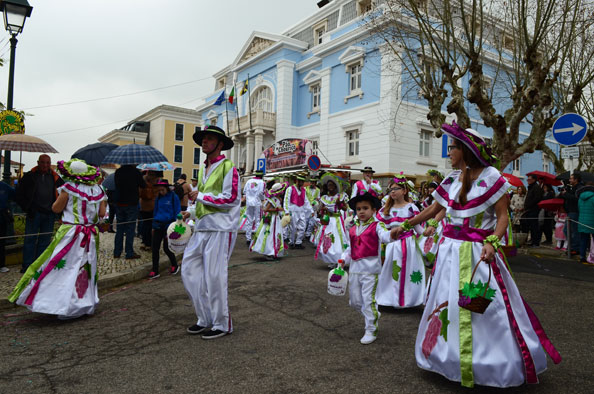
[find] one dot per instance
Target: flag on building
(232, 95)
(244, 89)
(220, 99)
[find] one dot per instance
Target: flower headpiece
(435, 172)
(473, 141)
(338, 181)
(277, 189)
(400, 179)
(74, 171)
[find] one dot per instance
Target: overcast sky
(72, 50)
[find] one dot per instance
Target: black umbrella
(94, 154)
(109, 182)
(586, 176)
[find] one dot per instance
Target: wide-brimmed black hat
(375, 202)
(199, 135)
(367, 169)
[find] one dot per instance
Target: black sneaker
(196, 329)
(212, 334)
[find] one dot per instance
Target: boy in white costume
(298, 206)
(363, 256)
(253, 192)
(204, 265)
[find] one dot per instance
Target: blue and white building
(325, 79)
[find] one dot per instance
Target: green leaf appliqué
(395, 270)
(416, 277)
(443, 316)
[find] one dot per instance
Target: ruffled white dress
(501, 347)
(63, 280)
(268, 238)
(331, 239)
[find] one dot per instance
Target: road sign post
(261, 165)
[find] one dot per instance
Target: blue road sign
(314, 162)
(261, 165)
(570, 129)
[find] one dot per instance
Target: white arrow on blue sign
(569, 129)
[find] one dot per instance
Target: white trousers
(297, 227)
(204, 274)
(253, 215)
(362, 289)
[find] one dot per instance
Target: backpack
(179, 190)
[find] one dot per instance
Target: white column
(328, 143)
(258, 140)
(284, 99)
(233, 155)
(249, 146)
(390, 86)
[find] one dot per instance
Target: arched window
(262, 99)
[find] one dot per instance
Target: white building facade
(326, 80)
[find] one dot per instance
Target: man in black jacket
(35, 193)
(571, 207)
(531, 209)
(128, 180)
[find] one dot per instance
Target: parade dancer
(501, 345)
(253, 193)
(268, 238)
(312, 193)
(402, 280)
(204, 265)
(63, 280)
(297, 205)
(367, 184)
(331, 238)
(363, 257)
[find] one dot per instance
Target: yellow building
(169, 129)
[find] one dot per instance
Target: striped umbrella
(134, 154)
(26, 143)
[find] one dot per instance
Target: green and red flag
(232, 95)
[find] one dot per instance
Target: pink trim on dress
(83, 194)
(475, 202)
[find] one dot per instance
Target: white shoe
(4, 269)
(368, 338)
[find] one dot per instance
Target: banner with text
(289, 152)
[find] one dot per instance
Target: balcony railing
(260, 120)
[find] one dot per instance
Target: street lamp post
(15, 12)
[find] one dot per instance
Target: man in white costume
(298, 206)
(253, 192)
(204, 265)
(367, 184)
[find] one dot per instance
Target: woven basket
(478, 304)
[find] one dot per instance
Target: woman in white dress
(331, 238)
(501, 345)
(268, 238)
(402, 279)
(63, 280)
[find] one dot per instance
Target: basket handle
(488, 280)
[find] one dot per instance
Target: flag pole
(249, 101)
(226, 115)
(236, 109)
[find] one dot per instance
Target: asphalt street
(290, 337)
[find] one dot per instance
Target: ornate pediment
(257, 45)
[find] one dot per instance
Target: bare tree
(520, 63)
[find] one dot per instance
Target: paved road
(290, 336)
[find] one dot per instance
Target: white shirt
(254, 192)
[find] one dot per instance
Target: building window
(516, 165)
(179, 132)
(364, 6)
(425, 143)
(176, 174)
(315, 145)
(319, 35)
(355, 78)
(352, 143)
(547, 164)
(213, 121)
(178, 153)
(197, 156)
(195, 173)
(262, 99)
(315, 98)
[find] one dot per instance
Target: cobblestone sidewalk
(107, 264)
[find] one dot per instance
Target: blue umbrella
(94, 154)
(161, 166)
(134, 154)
